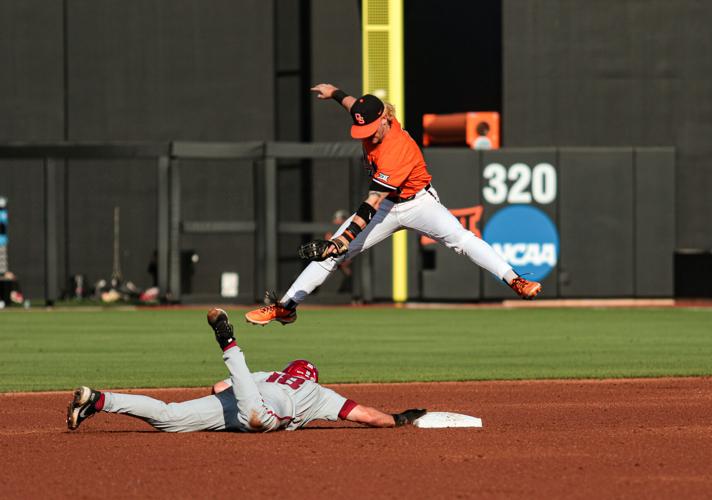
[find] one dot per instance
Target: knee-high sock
(312, 277)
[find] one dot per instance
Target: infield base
(444, 419)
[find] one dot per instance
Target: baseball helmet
(302, 368)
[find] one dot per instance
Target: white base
(443, 419)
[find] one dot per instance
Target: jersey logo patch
(382, 176)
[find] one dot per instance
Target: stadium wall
(615, 73)
(570, 77)
(154, 71)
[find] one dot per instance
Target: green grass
(44, 350)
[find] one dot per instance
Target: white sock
(313, 276)
(509, 276)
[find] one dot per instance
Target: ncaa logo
(526, 238)
(3, 223)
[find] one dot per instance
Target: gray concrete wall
(616, 73)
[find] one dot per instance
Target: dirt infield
(544, 439)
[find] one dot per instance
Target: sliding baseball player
(247, 402)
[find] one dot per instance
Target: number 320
(542, 179)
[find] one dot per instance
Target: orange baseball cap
(366, 113)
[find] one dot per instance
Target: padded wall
(596, 221)
(530, 158)
(457, 181)
(31, 109)
(616, 73)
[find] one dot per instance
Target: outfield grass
(43, 350)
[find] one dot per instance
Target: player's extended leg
(208, 413)
(204, 414)
(231, 410)
(381, 227)
(252, 413)
(427, 215)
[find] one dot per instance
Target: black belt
(398, 199)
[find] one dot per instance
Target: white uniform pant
(240, 408)
(424, 214)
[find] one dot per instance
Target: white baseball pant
(424, 214)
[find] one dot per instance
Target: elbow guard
(366, 212)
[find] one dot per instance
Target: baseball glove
(318, 250)
(408, 416)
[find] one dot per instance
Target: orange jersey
(397, 162)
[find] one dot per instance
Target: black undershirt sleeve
(375, 186)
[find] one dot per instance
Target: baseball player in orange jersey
(400, 196)
(246, 402)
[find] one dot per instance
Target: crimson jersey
(397, 162)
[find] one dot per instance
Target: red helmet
(302, 368)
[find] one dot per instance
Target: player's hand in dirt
(408, 416)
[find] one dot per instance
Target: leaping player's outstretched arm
(376, 418)
(327, 90)
(319, 250)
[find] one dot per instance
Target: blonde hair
(389, 110)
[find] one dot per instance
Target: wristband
(352, 231)
(339, 95)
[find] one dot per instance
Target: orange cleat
(272, 312)
(525, 289)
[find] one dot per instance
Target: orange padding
(461, 128)
(444, 129)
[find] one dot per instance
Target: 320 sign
(519, 183)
